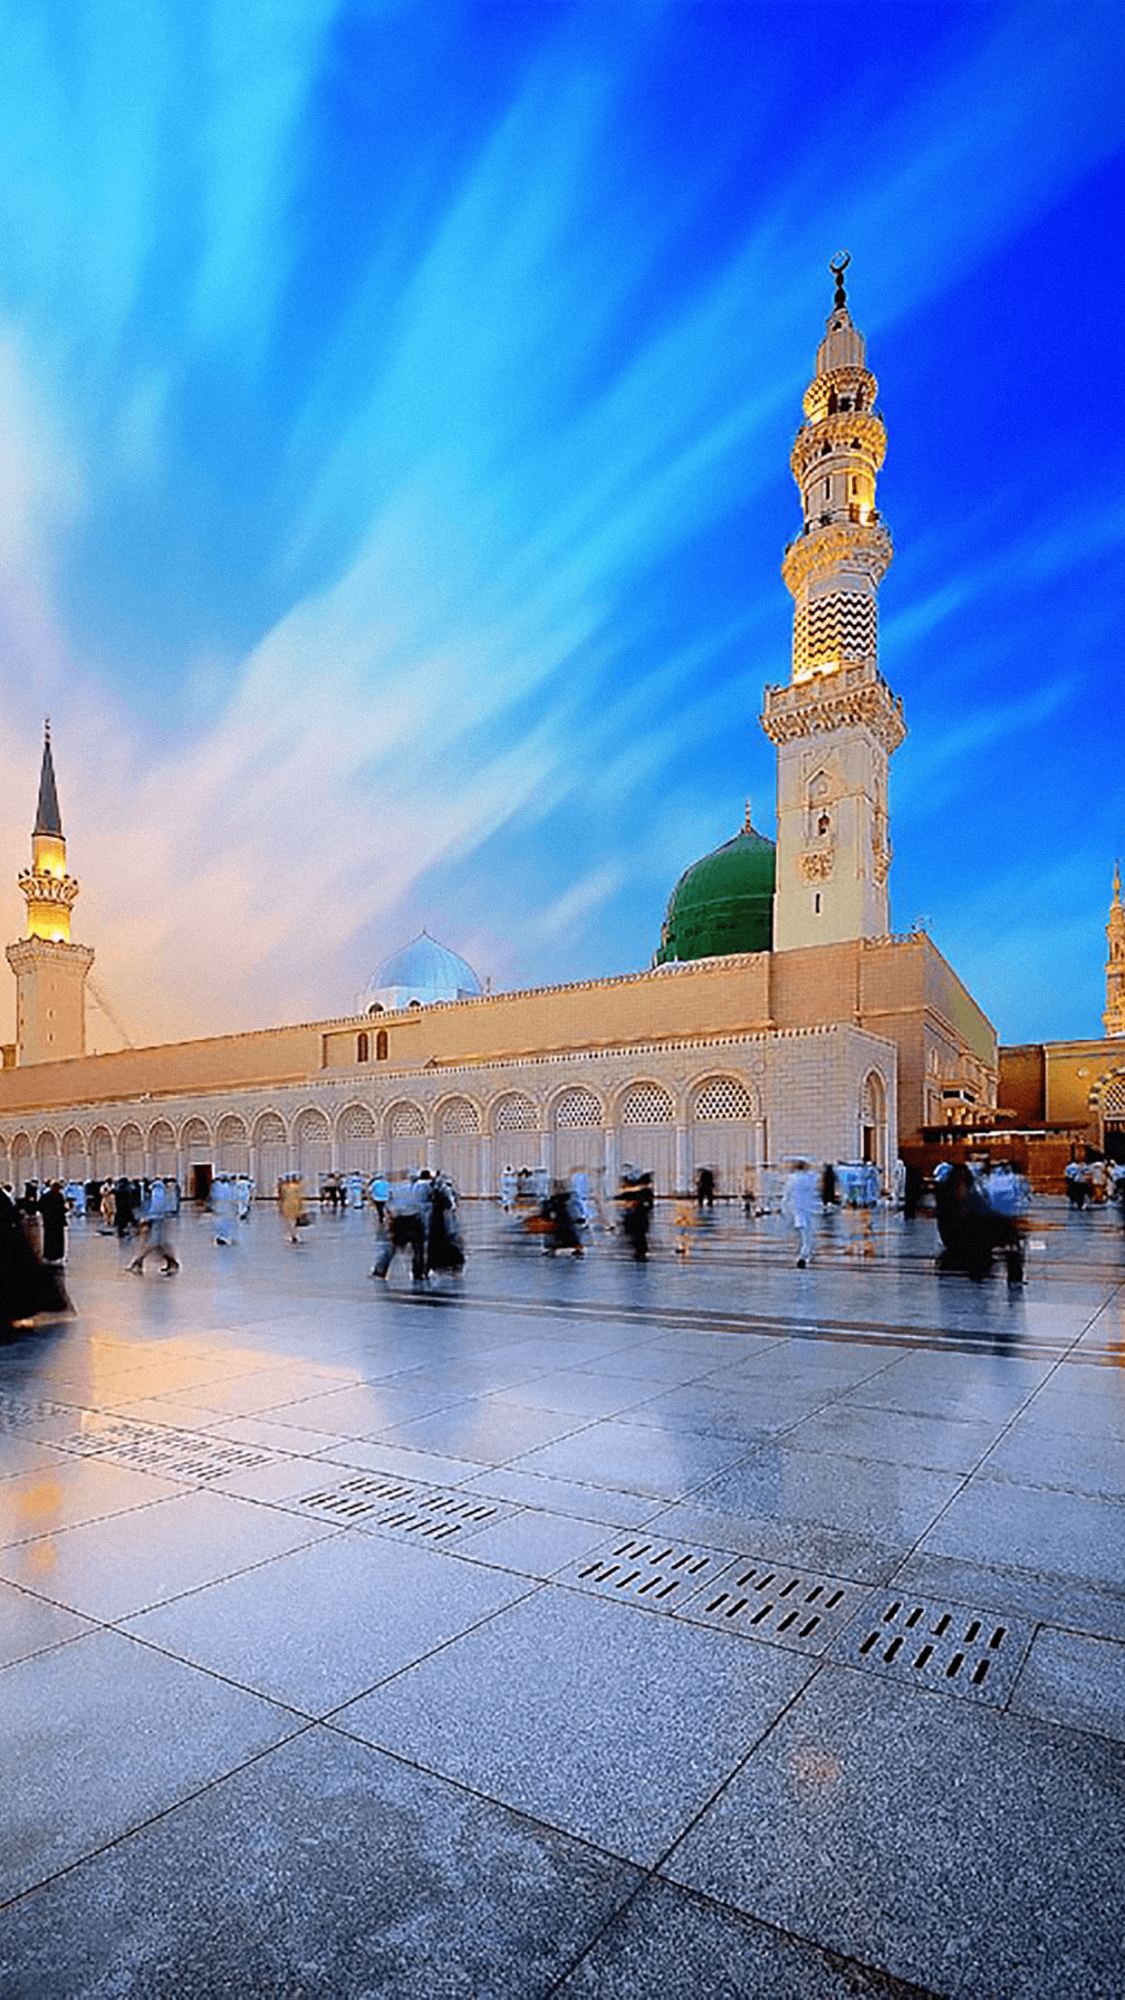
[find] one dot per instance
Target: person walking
(52, 1210)
(798, 1206)
(292, 1206)
(155, 1232)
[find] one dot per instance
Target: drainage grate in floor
(153, 1448)
(770, 1601)
(17, 1413)
(390, 1506)
(640, 1569)
(976, 1654)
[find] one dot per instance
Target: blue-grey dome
(422, 974)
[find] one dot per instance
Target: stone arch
(103, 1155)
(457, 1117)
(873, 1121)
(131, 1150)
(271, 1151)
(23, 1161)
(232, 1145)
(726, 1131)
(313, 1139)
(162, 1150)
(646, 1139)
(47, 1159)
(405, 1127)
(576, 1117)
(459, 1149)
(74, 1159)
(514, 1112)
(196, 1149)
(357, 1140)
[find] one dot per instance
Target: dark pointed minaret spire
(48, 819)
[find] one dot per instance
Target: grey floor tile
(983, 1881)
(1082, 1462)
(1025, 1593)
(563, 1496)
(979, 1388)
(73, 1490)
(489, 1430)
(898, 1437)
(1068, 1407)
(634, 1458)
(126, 1563)
(1035, 1528)
(322, 1870)
(1071, 1678)
(668, 1944)
(28, 1625)
(585, 1392)
(103, 1733)
(380, 1455)
(731, 1410)
(806, 1545)
(577, 1711)
(535, 1543)
(892, 1503)
(23, 1454)
(375, 1606)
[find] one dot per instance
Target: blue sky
(395, 409)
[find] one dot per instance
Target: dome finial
(838, 265)
(747, 828)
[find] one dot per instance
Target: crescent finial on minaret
(838, 265)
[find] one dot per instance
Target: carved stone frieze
(853, 698)
(817, 867)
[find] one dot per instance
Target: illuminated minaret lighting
(836, 723)
(51, 972)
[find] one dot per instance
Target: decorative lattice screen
(231, 1132)
(196, 1135)
(874, 1101)
(515, 1114)
(577, 1110)
(406, 1122)
(1113, 1099)
(458, 1116)
(646, 1104)
(357, 1123)
(269, 1130)
(721, 1099)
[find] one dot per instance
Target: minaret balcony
(848, 697)
(42, 888)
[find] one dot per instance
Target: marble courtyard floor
(704, 1628)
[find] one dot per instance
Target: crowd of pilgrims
(980, 1210)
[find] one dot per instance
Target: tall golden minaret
(50, 972)
(1114, 1016)
(837, 723)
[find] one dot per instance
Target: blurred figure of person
(445, 1249)
(408, 1218)
(242, 1197)
(1077, 1186)
(970, 1229)
(829, 1192)
(508, 1188)
(380, 1190)
(561, 1210)
(155, 1231)
(124, 1207)
(798, 1206)
(27, 1287)
(27, 1207)
(637, 1200)
(705, 1189)
(292, 1203)
(224, 1207)
(52, 1210)
(685, 1217)
(109, 1208)
(913, 1187)
(749, 1194)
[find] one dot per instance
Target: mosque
(780, 1016)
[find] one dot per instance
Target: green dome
(723, 903)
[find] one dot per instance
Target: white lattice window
(458, 1117)
(357, 1123)
(646, 1104)
(577, 1110)
(232, 1131)
(161, 1136)
(269, 1131)
(515, 1114)
(1113, 1099)
(312, 1125)
(196, 1134)
(721, 1099)
(406, 1122)
(22, 1157)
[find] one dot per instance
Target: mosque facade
(780, 1017)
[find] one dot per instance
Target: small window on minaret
(381, 1045)
(824, 824)
(828, 489)
(816, 903)
(855, 484)
(362, 1049)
